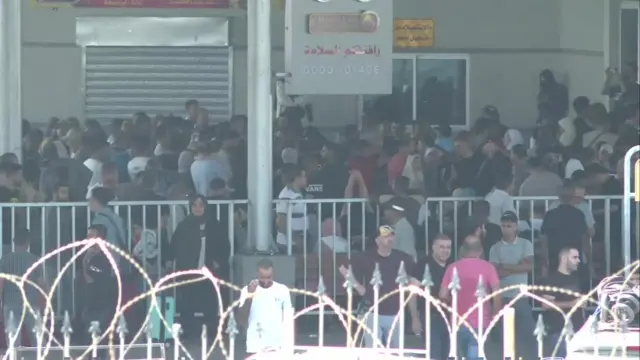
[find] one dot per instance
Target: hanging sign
(338, 47)
(413, 33)
(165, 4)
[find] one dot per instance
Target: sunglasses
(386, 230)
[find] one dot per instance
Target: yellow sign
(637, 187)
(413, 33)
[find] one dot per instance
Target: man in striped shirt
(17, 263)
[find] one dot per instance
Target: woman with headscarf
(553, 98)
(200, 241)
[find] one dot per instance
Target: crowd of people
(395, 166)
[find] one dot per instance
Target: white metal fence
(333, 230)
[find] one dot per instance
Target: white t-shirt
(572, 166)
(96, 169)
(298, 219)
(499, 203)
(266, 328)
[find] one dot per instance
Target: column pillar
(260, 123)
(10, 71)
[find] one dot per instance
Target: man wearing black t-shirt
(564, 278)
(438, 261)
(565, 226)
(10, 180)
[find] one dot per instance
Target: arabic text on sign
(346, 70)
(366, 22)
(413, 33)
(337, 50)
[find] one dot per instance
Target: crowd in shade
(576, 149)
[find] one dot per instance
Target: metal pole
(626, 201)
(10, 70)
(260, 142)
(252, 135)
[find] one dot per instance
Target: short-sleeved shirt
(499, 203)
(363, 266)
(564, 226)
(586, 210)
(469, 272)
(405, 238)
(513, 253)
(17, 263)
(298, 219)
(553, 319)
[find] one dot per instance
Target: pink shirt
(469, 271)
(395, 167)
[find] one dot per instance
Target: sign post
(339, 47)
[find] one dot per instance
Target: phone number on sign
(345, 70)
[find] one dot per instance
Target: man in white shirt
(500, 200)
(296, 179)
(263, 305)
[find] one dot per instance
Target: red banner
(164, 4)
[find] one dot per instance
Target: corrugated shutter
(120, 81)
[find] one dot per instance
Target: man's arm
(445, 294)
(493, 282)
(242, 315)
(525, 265)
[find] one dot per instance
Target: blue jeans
(439, 334)
(468, 344)
(388, 334)
(550, 342)
(525, 326)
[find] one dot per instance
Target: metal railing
(332, 232)
(610, 332)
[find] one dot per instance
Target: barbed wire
(610, 287)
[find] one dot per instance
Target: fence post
(427, 282)
(94, 330)
(349, 285)
(454, 287)
(509, 336)
(203, 339)
(38, 330)
(232, 331)
(402, 281)
(321, 293)
(148, 330)
(376, 282)
(540, 333)
(176, 331)
(122, 333)
(481, 293)
(66, 333)
(12, 331)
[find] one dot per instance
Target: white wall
(509, 43)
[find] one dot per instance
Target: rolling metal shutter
(120, 81)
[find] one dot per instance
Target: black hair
(109, 167)
(102, 195)
(190, 103)
(264, 263)
(100, 229)
(402, 183)
(519, 150)
(535, 162)
(22, 237)
(581, 104)
(291, 173)
(444, 130)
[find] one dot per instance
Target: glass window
(441, 91)
(399, 105)
(629, 36)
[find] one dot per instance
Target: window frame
(628, 5)
(440, 56)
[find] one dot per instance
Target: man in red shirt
(470, 268)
